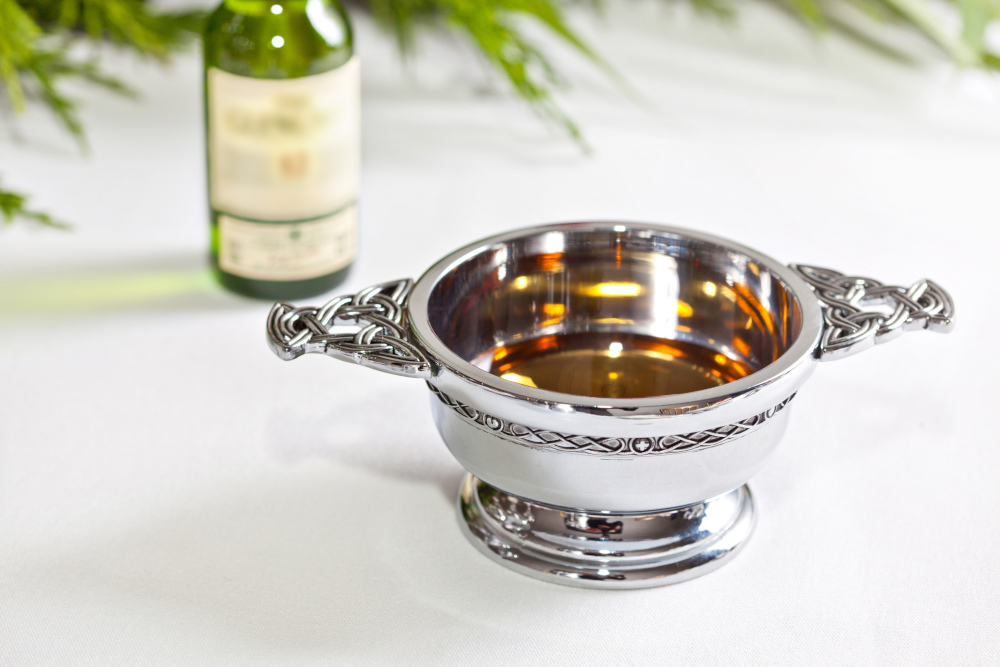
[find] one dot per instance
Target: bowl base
(595, 549)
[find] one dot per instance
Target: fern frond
(18, 33)
(45, 70)
(967, 47)
(492, 26)
(129, 23)
(36, 37)
(35, 59)
(13, 207)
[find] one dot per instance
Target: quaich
(610, 387)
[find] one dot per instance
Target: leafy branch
(36, 57)
(38, 40)
(13, 206)
(492, 26)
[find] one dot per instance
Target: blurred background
(171, 493)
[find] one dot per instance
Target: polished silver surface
(669, 283)
(607, 455)
(377, 338)
(861, 312)
(603, 549)
(541, 438)
(610, 482)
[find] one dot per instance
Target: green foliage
(129, 23)
(720, 9)
(966, 47)
(38, 39)
(38, 36)
(17, 44)
(13, 207)
(493, 26)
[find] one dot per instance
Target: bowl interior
(620, 311)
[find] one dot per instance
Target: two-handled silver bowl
(610, 386)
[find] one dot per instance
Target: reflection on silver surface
(615, 369)
(860, 312)
(672, 288)
(544, 439)
(605, 550)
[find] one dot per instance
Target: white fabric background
(171, 493)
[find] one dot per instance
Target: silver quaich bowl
(599, 491)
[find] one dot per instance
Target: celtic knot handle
(860, 312)
(366, 328)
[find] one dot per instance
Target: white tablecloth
(171, 493)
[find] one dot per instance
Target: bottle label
(288, 151)
(287, 251)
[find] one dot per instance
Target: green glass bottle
(283, 136)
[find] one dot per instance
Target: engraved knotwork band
(540, 438)
(377, 337)
(860, 312)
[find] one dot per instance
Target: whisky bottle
(283, 137)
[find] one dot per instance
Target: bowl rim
(799, 352)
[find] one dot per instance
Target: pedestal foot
(594, 549)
